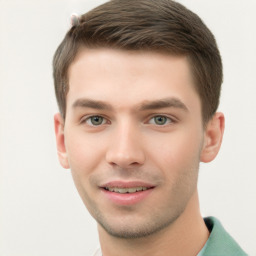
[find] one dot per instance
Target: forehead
(120, 76)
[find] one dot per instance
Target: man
(138, 84)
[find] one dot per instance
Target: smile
(125, 190)
(126, 193)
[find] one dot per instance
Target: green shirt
(220, 243)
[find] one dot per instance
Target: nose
(126, 148)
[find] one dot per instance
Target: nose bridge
(126, 149)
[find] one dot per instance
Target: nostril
(125, 150)
(125, 160)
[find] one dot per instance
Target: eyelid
(107, 121)
(170, 118)
(85, 118)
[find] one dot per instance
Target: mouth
(126, 190)
(126, 193)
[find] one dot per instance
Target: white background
(41, 213)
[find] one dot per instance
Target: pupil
(96, 120)
(160, 120)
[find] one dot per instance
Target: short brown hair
(151, 25)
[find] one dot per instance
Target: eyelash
(89, 118)
(169, 120)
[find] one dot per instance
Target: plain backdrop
(41, 213)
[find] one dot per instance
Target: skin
(148, 128)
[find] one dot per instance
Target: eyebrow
(87, 103)
(146, 105)
(163, 103)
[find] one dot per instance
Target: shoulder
(220, 243)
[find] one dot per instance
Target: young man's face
(133, 138)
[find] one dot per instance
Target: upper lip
(126, 184)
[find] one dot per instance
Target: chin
(131, 229)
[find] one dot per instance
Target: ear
(60, 140)
(213, 135)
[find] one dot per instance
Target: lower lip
(127, 198)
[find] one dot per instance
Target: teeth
(126, 190)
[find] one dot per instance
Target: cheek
(84, 152)
(179, 150)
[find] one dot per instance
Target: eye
(95, 120)
(160, 120)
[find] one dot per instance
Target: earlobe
(60, 140)
(213, 138)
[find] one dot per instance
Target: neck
(186, 236)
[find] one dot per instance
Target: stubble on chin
(135, 225)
